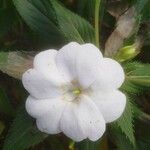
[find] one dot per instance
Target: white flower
(74, 91)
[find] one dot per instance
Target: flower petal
(44, 62)
(86, 65)
(39, 86)
(82, 119)
(69, 123)
(75, 61)
(47, 112)
(110, 75)
(66, 59)
(110, 104)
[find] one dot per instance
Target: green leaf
(53, 21)
(141, 71)
(86, 8)
(141, 80)
(142, 8)
(137, 77)
(146, 13)
(40, 17)
(140, 4)
(140, 76)
(131, 88)
(5, 105)
(6, 20)
(126, 122)
(23, 133)
(130, 66)
(73, 26)
(122, 142)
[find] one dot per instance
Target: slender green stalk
(97, 8)
(71, 145)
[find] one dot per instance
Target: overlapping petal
(85, 64)
(109, 75)
(45, 63)
(47, 112)
(75, 61)
(44, 81)
(66, 60)
(82, 119)
(40, 86)
(111, 104)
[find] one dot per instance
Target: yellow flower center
(76, 91)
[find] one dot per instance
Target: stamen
(76, 91)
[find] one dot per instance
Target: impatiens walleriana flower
(74, 91)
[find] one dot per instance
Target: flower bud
(126, 53)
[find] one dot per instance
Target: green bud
(126, 53)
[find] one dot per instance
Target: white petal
(44, 62)
(87, 63)
(111, 104)
(110, 75)
(47, 112)
(82, 119)
(69, 123)
(75, 62)
(39, 86)
(66, 59)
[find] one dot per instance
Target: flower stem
(71, 145)
(97, 8)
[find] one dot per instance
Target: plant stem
(71, 145)
(97, 8)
